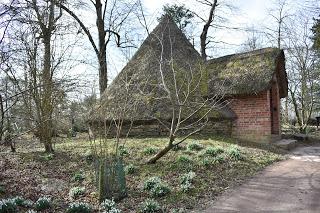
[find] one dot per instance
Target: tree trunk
(103, 77)
(47, 99)
(204, 34)
(161, 153)
(13, 146)
(286, 110)
(2, 117)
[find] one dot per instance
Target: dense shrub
(75, 192)
(177, 211)
(156, 187)
(114, 210)
(8, 206)
(186, 181)
(79, 207)
(2, 190)
(20, 201)
(183, 159)
(195, 146)
(234, 153)
(78, 177)
(206, 161)
(130, 169)
(43, 203)
(109, 206)
(150, 183)
(150, 206)
(160, 190)
(150, 151)
(123, 151)
(89, 156)
(214, 151)
(218, 159)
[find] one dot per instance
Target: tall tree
(181, 15)
(316, 34)
(253, 41)
(304, 74)
(208, 22)
(35, 57)
(110, 16)
(280, 14)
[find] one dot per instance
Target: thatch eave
(248, 73)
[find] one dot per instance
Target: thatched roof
(167, 47)
(248, 73)
(166, 41)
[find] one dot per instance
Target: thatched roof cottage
(254, 83)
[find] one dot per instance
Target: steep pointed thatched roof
(248, 73)
(166, 46)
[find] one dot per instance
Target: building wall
(153, 129)
(256, 120)
(253, 121)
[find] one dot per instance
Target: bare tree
(110, 127)
(208, 22)
(303, 71)
(7, 101)
(180, 14)
(254, 40)
(110, 19)
(184, 92)
(280, 13)
(35, 59)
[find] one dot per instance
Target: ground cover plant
(184, 179)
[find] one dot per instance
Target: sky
(244, 14)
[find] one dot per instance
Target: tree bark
(161, 153)
(47, 108)
(103, 70)
(204, 34)
(103, 77)
(2, 117)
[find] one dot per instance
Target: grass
(211, 178)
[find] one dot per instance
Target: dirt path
(292, 185)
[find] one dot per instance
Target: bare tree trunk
(164, 151)
(47, 108)
(103, 72)
(103, 77)
(204, 34)
(2, 117)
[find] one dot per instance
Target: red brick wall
(256, 120)
(253, 117)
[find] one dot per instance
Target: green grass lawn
(218, 164)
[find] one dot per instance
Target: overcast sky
(245, 14)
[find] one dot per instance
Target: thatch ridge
(169, 40)
(240, 74)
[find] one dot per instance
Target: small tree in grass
(112, 128)
(164, 90)
(185, 93)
